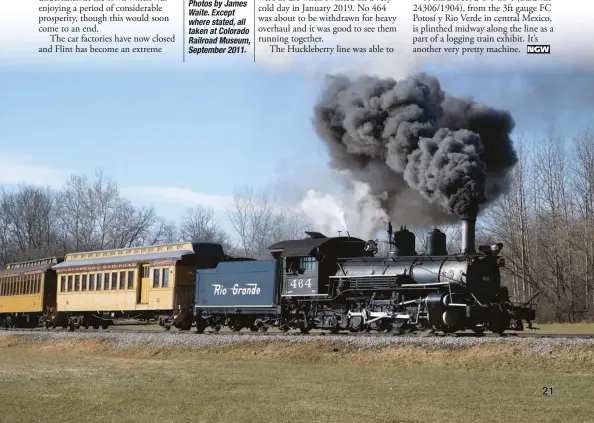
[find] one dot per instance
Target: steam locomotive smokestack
(468, 235)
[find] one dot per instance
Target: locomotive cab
(308, 263)
(301, 276)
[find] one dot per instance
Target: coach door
(144, 284)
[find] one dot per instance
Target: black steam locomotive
(340, 283)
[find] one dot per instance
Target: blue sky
(211, 131)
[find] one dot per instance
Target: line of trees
(546, 222)
(89, 215)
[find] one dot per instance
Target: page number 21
(547, 390)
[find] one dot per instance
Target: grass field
(86, 381)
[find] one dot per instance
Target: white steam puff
(356, 211)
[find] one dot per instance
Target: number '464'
(300, 283)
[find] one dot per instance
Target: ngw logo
(538, 49)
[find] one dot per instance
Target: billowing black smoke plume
(428, 157)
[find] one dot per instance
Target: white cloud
(570, 43)
(181, 196)
(16, 169)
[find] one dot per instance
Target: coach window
(38, 284)
(63, 284)
(166, 277)
(99, 281)
(84, 282)
(69, 283)
(156, 278)
(114, 281)
(91, 282)
(77, 282)
(122, 280)
(106, 282)
(131, 279)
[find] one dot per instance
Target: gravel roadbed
(197, 341)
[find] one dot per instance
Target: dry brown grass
(510, 355)
(88, 381)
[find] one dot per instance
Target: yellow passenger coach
(27, 292)
(153, 282)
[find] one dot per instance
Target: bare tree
(200, 225)
(27, 218)
(163, 232)
(259, 221)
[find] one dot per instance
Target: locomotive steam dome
(436, 243)
(404, 243)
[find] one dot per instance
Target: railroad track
(296, 333)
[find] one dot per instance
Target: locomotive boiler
(342, 283)
(433, 290)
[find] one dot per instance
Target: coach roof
(29, 266)
(141, 254)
